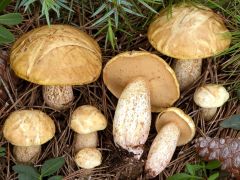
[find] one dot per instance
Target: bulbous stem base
(26, 155)
(58, 97)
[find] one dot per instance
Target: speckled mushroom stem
(208, 113)
(132, 118)
(58, 97)
(26, 154)
(187, 71)
(162, 149)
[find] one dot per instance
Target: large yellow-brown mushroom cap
(56, 55)
(189, 32)
(28, 128)
(127, 66)
(182, 121)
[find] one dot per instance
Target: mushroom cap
(28, 128)
(127, 66)
(56, 55)
(210, 96)
(183, 121)
(87, 119)
(189, 32)
(88, 158)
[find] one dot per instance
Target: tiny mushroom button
(191, 33)
(175, 128)
(143, 82)
(210, 97)
(86, 120)
(27, 130)
(57, 57)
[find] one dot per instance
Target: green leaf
(5, 35)
(213, 165)
(4, 3)
(2, 151)
(29, 171)
(26, 177)
(102, 7)
(11, 19)
(231, 122)
(213, 176)
(51, 166)
(103, 19)
(55, 178)
(190, 169)
(182, 176)
(147, 6)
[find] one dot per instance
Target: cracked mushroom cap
(127, 66)
(87, 119)
(28, 128)
(56, 55)
(190, 32)
(182, 120)
(211, 96)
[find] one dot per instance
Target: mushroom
(86, 120)
(27, 130)
(174, 128)
(210, 97)
(57, 57)
(189, 34)
(143, 82)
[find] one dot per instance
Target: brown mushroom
(27, 130)
(175, 128)
(86, 121)
(143, 82)
(57, 57)
(189, 34)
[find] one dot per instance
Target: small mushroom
(86, 121)
(57, 57)
(143, 82)
(210, 97)
(189, 34)
(27, 130)
(175, 128)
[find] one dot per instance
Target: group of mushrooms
(143, 83)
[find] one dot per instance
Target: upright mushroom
(27, 130)
(175, 128)
(57, 57)
(86, 121)
(210, 97)
(143, 82)
(189, 34)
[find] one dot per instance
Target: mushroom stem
(81, 141)
(187, 71)
(208, 113)
(26, 154)
(162, 149)
(58, 97)
(132, 118)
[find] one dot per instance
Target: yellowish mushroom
(175, 128)
(189, 34)
(57, 57)
(27, 130)
(85, 122)
(143, 82)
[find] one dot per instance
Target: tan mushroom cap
(190, 32)
(56, 55)
(210, 96)
(182, 120)
(87, 119)
(127, 66)
(28, 128)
